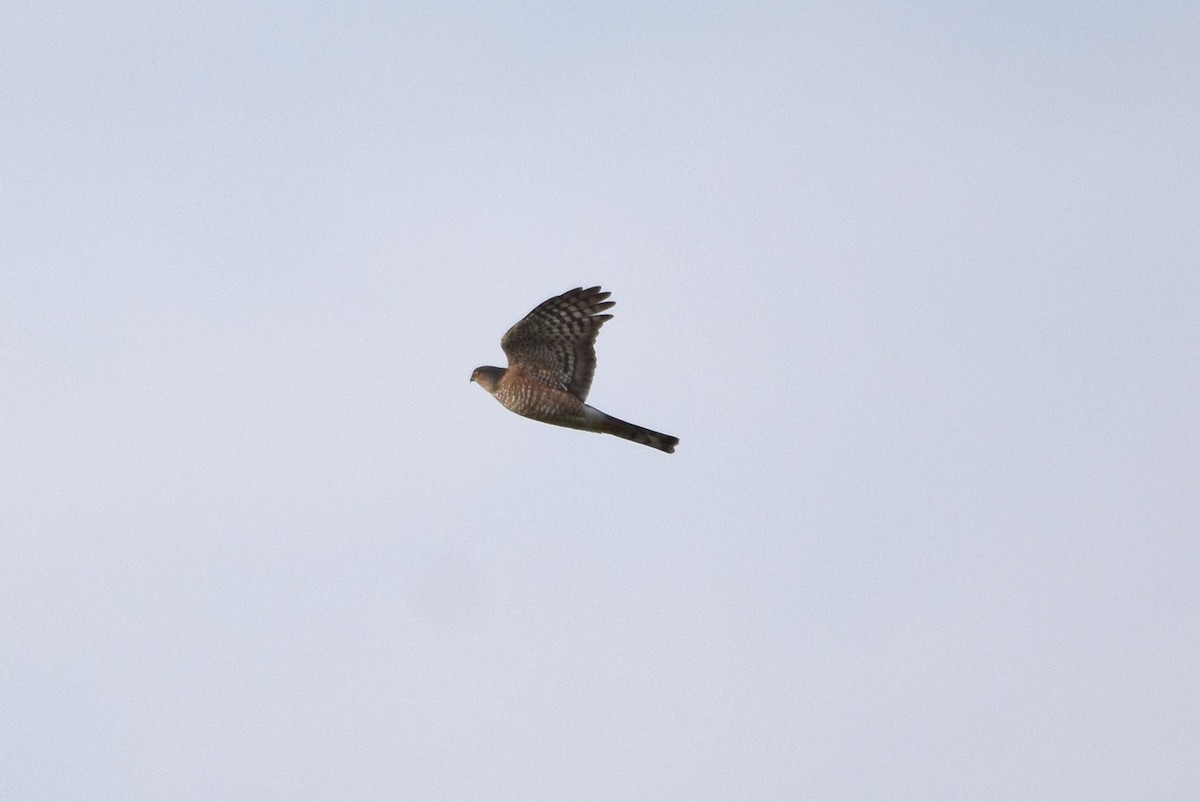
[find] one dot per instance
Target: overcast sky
(916, 285)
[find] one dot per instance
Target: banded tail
(638, 434)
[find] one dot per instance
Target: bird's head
(487, 377)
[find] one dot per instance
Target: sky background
(916, 285)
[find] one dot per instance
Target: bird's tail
(638, 434)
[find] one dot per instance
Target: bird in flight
(551, 358)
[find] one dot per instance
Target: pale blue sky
(916, 285)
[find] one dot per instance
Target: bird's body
(551, 359)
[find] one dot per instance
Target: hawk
(551, 358)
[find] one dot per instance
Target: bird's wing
(557, 341)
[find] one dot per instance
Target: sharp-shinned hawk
(551, 358)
